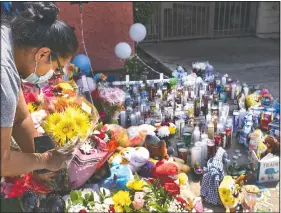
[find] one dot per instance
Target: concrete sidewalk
(251, 60)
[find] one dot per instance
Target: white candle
(138, 115)
(233, 87)
(195, 156)
(223, 80)
(211, 130)
(133, 118)
(123, 118)
(201, 93)
(201, 145)
(246, 91)
(204, 136)
(204, 142)
(242, 114)
(196, 134)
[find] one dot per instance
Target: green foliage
(142, 12)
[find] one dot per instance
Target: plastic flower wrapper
(119, 134)
(112, 95)
(90, 156)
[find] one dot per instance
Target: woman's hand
(53, 160)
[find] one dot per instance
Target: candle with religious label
(211, 130)
(233, 90)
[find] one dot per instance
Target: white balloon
(91, 84)
(123, 50)
(137, 32)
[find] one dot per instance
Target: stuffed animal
(158, 150)
(193, 202)
(166, 172)
(273, 145)
(120, 175)
(135, 158)
(253, 100)
(229, 193)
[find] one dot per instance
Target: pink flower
(138, 202)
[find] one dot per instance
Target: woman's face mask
(35, 79)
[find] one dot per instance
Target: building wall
(268, 22)
(105, 25)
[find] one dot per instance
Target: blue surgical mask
(35, 79)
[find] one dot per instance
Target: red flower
(165, 124)
(30, 98)
(111, 209)
(182, 202)
(25, 183)
(102, 116)
(172, 188)
(82, 211)
(95, 94)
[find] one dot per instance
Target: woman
(33, 45)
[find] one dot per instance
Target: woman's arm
(23, 128)
(18, 163)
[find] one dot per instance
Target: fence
(187, 20)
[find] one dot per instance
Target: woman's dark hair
(37, 26)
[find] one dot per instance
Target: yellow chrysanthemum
(64, 130)
(172, 130)
(31, 108)
(121, 198)
(118, 208)
(81, 119)
(65, 86)
(135, 185)
(51, 122)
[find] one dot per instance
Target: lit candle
(196, 156)
(123, 118)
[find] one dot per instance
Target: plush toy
(119, 134)
(193, 202)
(135, 158)
(273, 145)
(120, 175)
(229, 193)
(158, 150)
(166, 172)
(136, 137)
(253, 100)
(266, 98)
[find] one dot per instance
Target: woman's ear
(43, 54)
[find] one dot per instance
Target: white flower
(86, 147)
(77, 208)
(106, 138)
(106, 191)
(163, 131)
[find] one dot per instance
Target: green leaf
(136, 177)
(73, 196)
(127, 209)
(87, 196)
(92, 203)
(91, 198)
(79, 193)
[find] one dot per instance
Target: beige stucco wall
(268, 20)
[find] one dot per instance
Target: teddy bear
(157, 150)
(273, 145)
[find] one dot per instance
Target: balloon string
(149, 66)
(83, 40)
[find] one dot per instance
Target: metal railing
(189, 20)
